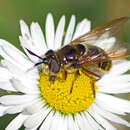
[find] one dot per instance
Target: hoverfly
(82, 54)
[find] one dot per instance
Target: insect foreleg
(77, 74)
(55, 77)
(52, 78)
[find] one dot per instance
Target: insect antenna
(30, 52)
(35, 65)
(38, 63)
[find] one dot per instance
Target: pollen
(58, 96)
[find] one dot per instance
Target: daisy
(45, 106)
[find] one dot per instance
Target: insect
(84, 55)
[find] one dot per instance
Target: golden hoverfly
(84, 55)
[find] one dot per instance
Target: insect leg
(77, 74)
(52, 78)
(30, 52)
(89, 72)
(93, 88)
(65, 75)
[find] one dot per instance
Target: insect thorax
(69, 54)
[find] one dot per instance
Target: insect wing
(119, 50)
(102, 32)
(93, 59)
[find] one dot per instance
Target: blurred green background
(98, 11)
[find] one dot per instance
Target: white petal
(25, 44)
(59, 33)
(92, 122)
(28, 76)
(105, 44)
(38, 38)
(82, 122)
(34, 128)
(105, 124)
(34, 107)
(47, 122)
(24, 89)
(117, 103)
(70, 30)
(72, 125)
(14, 110)
(82, 28)
(16, 99)
(50, 31)
(37, 118)
(23, 107)
(12, 54)
(116, 88)
(120, 67)
(24, 29)
(16, 123)
(109, 108)
(115, 80)
(110, 116)
(28, 43)
(6, 85)
(5, 74)
(58, 123)
(3, 109)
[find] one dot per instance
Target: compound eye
(54, 66)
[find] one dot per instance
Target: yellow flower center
(58, 95)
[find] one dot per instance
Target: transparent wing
(119, 50)
(104, 31)
(93, 60)
(115, 53)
